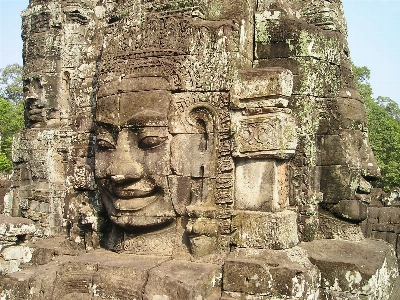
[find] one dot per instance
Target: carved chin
(131, 221)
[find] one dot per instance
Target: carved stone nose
(33, 101)
(118, 178)
(364, 187)
(369, 166)
(122, 170)
(124, 165)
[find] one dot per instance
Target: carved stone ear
(194, 126)
(191, 118)
(193, 148)
(201, 117)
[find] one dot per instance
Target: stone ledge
(362, 268)
(263, 272)
(104, 274)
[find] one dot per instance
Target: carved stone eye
(150, 142)
(104, 144)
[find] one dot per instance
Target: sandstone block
(74, 277)
(9, 266)
(193, 155)
(351, 209)
(388, 237)
(184, 280)
(122, 276)
(258, 85)
(14, 287)
(266, 230)
(294, 38)
(338, 182)
(331, 227)
(383, 227)
(278, 273)
(327, 156)
(259, 185)
(373, 213)
(16, 226)
(395, 215)
(40, 279)
(264, 135)
(385, 215)
(19, 253)
(366, 267)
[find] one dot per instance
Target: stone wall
(383, 220)
(5, 184)
(316, 147)
(14, 232)
(53, 158)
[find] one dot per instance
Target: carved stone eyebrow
(147, 118)
(106, 128)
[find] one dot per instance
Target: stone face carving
(133, 155)
(229, 133)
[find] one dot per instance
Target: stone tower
(220, 148)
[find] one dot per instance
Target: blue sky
(374, 39)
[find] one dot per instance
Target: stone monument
(195, 150)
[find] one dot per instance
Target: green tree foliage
(11, 83)
(11, 111)
(391, 107)
(384, 130)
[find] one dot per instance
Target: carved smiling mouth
(139, 189)
(131, 196)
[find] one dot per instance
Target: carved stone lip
(126, 188)
(134, 204)
(128, 193)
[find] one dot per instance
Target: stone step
(358, 269)
(102, 274)
(265, 273)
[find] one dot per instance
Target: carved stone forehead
(139, 101)
(132, 84)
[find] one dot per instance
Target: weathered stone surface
(265, 229)
(264, 135)
(351, 209)
(15, 226)
(367, 267)
(20, 253)
(104, 274)
(188, 129)
(184, 280)
(5, 184)
(123, 277)
(47, 250)
(9, 266)
(330, 227)
(261, 88)
(260, 185)
(282, 273)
